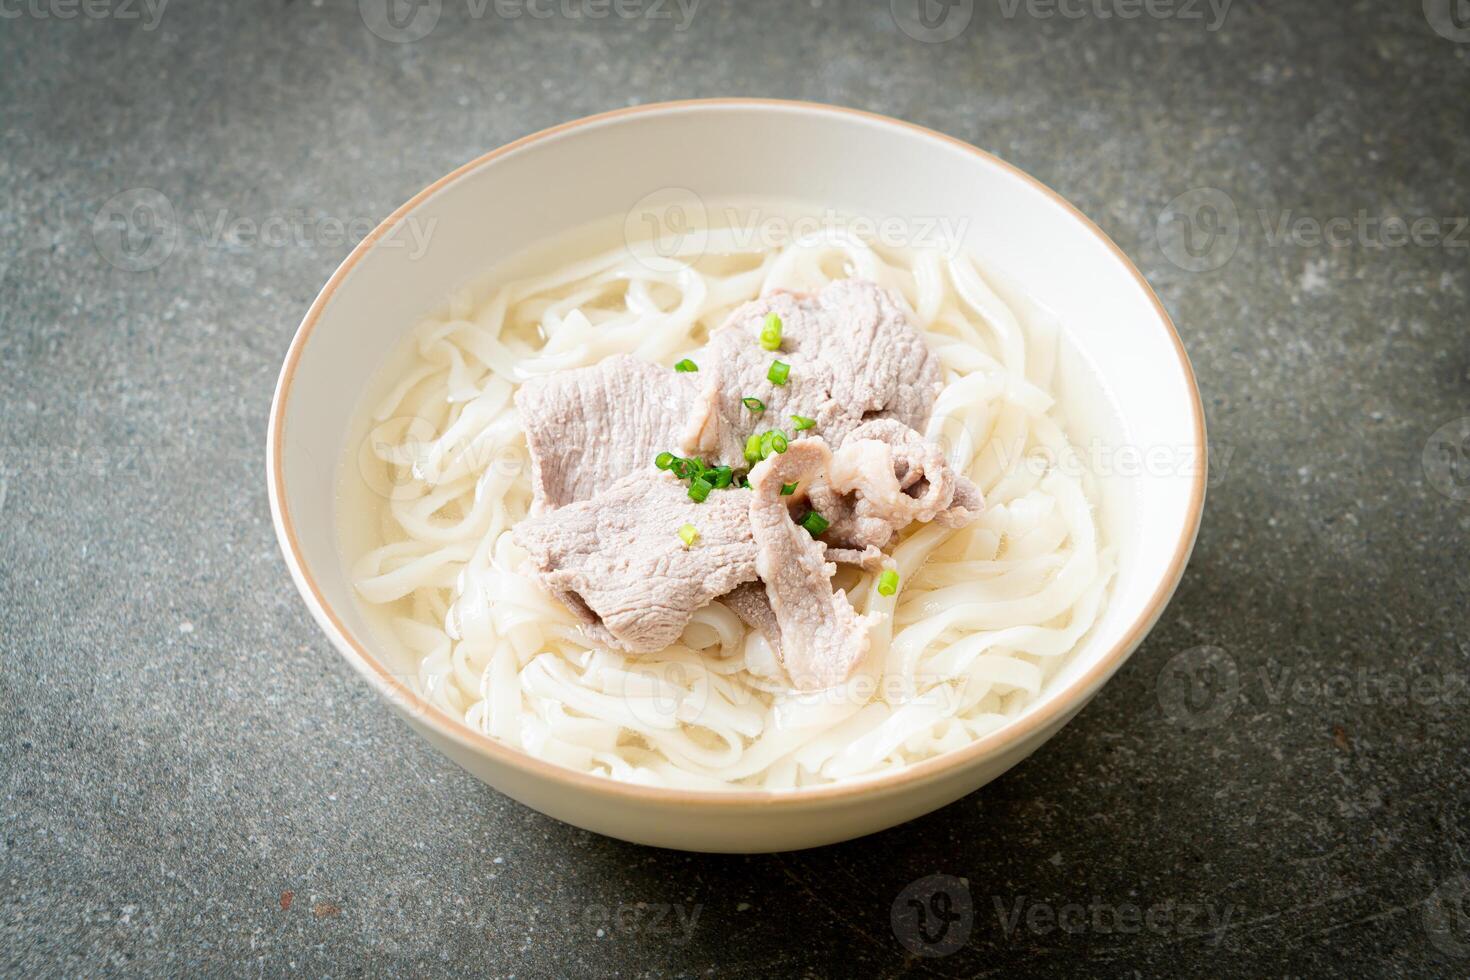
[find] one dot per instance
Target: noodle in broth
(985, 615)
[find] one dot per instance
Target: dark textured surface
(180, 749)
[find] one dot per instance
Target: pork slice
(618, 563)
(749, 602)
(885, 477)
(822, 638)
(587, 427)
(854, 355)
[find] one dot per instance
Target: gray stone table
(191, 780)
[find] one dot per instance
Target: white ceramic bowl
(859, 163)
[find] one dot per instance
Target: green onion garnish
(814, 523)
(761, 445)
(771, 332)
(754, 404)
(801, 423)
(702, 476)
(787, 489)
(688, 533)
(753, 452)
(685, 366)
(888, 582)
(778, 373)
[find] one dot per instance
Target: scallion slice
(778, 373)
(699, 490)
(754, 404)
(815, 523)
(688, 534)
(771, 332)
(801, 423)
(778, 442)
(888, 582)
(787, 489)
(685, 366)
(753, 452)
(663, 460)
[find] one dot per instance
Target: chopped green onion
(685, 366)
(688, 533)
(680, 467)
(778, 373)
(663, 460)
(753, 452)
(724, 476)
(699, 490)
(697, 468)
(888, 582)
(778, 442)
(801, 423)
(754, 404)
(814, 523)
(771, 332)
(787, 489)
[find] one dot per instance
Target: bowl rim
(1055, 709)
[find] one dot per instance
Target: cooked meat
(885, 477)
(618, 563)
(853, 355)
(967, 504)
(590, 426)
(603, 534)
(822, 638)
(749, 602)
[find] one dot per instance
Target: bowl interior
(1123, 379)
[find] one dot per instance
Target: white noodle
(983, 619)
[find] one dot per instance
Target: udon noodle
(985, 616)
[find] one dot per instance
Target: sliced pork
(588, 427)
(853, 354)
(749, 602)
(885, 477)
(822, 638)
(618, 563)
(604, 530)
